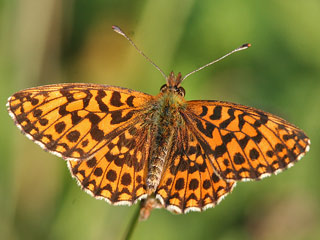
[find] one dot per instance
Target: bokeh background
(55, 41)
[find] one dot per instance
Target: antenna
(242, 47)
(119, 31)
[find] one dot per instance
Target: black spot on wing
(93, 118)
(43, 121)
(220, 150)
(73, 136)
(102, 106)
(238, 159)
(207, 129)
(63, 110)
(85, 143)
(194, 184)
(111, 175)
(98, 172)
(66, 93)
(96, 133)
(215, 178)
(227, 138)
(244, 141)
(179, 184)
(204, 111)
(75, 118)
(129, 101)
(216, 115)
(118, 118)
(254, 154)
(116, 99)
(91, 162)
(34, 101)
(126, 179)
(37, 113)
(270, 153)
(258, 137)
(60, 127)
(206, 184)
(241, 120)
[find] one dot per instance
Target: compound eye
(163, 87)
(181, 91)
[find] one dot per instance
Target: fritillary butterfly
(123, 145)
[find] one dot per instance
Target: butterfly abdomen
(164, 123)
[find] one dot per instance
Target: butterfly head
(173, 85)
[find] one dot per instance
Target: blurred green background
(55, 41)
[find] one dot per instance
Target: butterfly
(124, 146)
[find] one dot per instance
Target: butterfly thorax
(164, 123)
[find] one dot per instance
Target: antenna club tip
(117, 29)
(243, 46)
(246, 45)
(114, 27)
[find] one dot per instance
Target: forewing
(74, 121)
(244, 143)
(117, 172)
(189, 181)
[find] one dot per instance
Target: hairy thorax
(164, 123)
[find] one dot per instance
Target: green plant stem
(133, 223)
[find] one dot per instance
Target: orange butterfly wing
(221, 143)
(117, 172)
(244, 143)
(74, 121)
(97, 128)
(189, 181)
